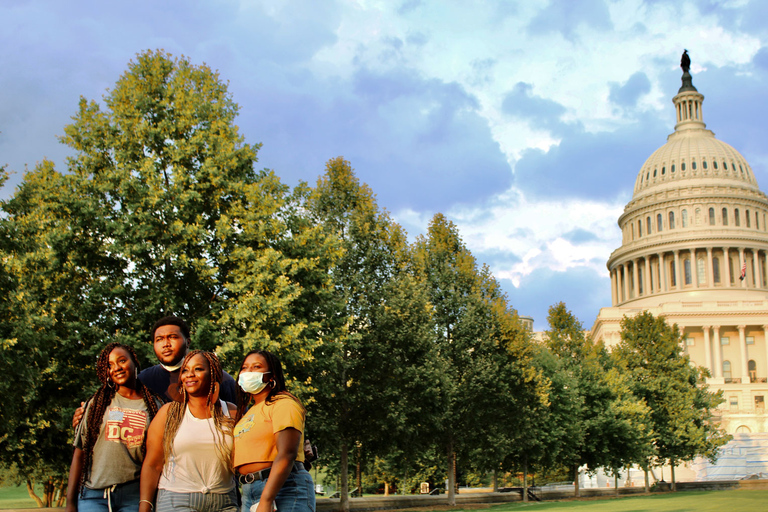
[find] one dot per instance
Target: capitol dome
(696, 219)
(694, 250)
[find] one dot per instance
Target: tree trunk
(386, 489)
(61, 493)
(576, 481)
(359, 475)
(525, 479)
(495, 480)
(451, 474)
(672, 469)
(31, 492)
(616, 483)
(647, 482)
(344, 476)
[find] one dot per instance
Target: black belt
(264, 473)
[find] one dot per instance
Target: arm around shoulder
(152, 467)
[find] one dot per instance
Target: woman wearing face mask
(109, 442)
(268, 438)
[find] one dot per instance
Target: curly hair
(176, 411)
(98, 403)
(278, 389)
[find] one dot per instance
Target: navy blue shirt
(166, 384)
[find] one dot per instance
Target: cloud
(540, 112)
(578, 235)
(627, 95)
(565, 17)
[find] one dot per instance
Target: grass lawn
(683, 501)
(17, 497)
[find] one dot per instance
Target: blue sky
(523, 122)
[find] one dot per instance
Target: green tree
(374, 372)
(160, 212)
(482, 352)
(612, 425)
(676, 392)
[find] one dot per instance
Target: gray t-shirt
(117, 454)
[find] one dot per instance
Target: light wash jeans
(296, 495)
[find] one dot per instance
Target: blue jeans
(123, 498)
(296, 495)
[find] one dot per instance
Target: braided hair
(176, 411)
(277, 390)
(100, 400)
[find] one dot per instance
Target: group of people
(180, 435)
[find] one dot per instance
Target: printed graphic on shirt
(245, 425)
(126, 426)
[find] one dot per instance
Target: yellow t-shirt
(255, 432)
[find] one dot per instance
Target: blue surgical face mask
(252, 382)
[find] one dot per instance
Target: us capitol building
(695, 251)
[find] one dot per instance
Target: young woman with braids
(109, 442)
(189, 445)
(268, 437)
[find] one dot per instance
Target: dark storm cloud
(626, 95)
(540, 112)
(583, 290)
(418, 143)
(565, 17)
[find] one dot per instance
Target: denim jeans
(296, 495)
(169, 501)
(121, 498)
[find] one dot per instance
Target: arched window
(673, 168)
(725, 216)
(685, 218)
(671, 220)
(714, 163)
(752, 369)
(736, 219)
(682, 166)
(697, 217)
(693, 165)
(663, 170)
(757, 221)
(747, 218)
(742, 429)
(727, 369)
(658, 222)
(639, 228)
(716, 270)
(648, 225)
(672, 273)
(711, 216)
(633, 230)
(704, 164)
(687, 270)
(654, 173)
(701, 271)
(725, 166)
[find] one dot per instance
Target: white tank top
(194, 465)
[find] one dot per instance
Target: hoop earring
(110, 383)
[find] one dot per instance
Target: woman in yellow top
(268, 438)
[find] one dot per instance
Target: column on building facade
(622, 281)
(718, 351)
(663, 284)
(678, 286)
(765, 343)
(647, 289)
(635, 278)
(756, 268)
(727, 264)
(742, 261)
(694, 268)
(744, 354)
(708, 350)
(710, 271)
(614, 292)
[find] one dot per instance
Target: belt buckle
(247, 479)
